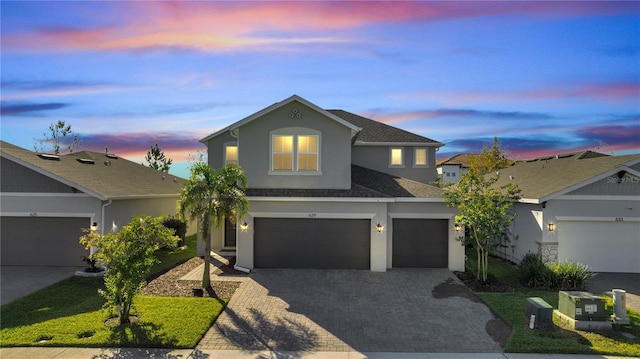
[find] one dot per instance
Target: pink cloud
(223, 26)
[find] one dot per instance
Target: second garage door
(420, 243)
(312, 243)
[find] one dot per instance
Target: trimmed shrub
(180, 228)
(571, 275)
(534, 273)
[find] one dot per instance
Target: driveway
(18, 281)
(630, 282)
(402, 310)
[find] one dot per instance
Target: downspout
(102, 219)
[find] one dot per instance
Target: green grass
(511, 308)
(69, 313)
(170, 257)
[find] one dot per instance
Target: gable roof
(547, 178)
(276, 106)
(97, 174)
(378, 133)
(462, 160)
(365, 183)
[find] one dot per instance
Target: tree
(490, 159)
(157, 160)
(210, 196)
(56, 137)
(485, 211)
(128, 256)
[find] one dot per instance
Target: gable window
(396, 157)
(420, 157)
(295, 153)
(231, 154)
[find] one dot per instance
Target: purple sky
(544, 77)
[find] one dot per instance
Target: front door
(229, 233)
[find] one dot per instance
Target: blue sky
(544, 77)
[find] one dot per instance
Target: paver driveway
(343, 310)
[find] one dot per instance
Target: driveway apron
(353, 310)
(19, 281)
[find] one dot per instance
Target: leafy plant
(534, 273)
(571, 275)
(129, 256)
(157, 160)
(179, 226)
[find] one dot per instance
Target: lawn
(511, 308)
(69, 313)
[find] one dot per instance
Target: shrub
(180, 228)
(571, 275)
(534, 273)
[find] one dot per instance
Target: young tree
(210, 196)
(485, 210)
(157, 160)
(490, 159)
(56, 137)
(128, 256)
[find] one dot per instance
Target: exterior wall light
(244, 226)
(379, 228)
(552, 227)
(94, 226)
(457, 227)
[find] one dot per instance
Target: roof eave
(415, 144)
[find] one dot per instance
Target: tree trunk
(206, 278)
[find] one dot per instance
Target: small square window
(231, 155)
(420, 157)
(396, 155)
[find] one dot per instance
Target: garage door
(42, 241)
(603, 246)
(420, 243)
(312, 243)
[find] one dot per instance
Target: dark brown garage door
(42, 241)
(420, 243)
(312, 243)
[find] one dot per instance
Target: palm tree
(210, 196)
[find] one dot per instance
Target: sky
(545, 77)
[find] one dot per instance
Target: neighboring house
(450, 170)
(45, 200)
(581, 207)
(331, 189)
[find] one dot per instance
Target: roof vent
(175, 180)
(87, 161)
(111, 155)
(49, 157)
(511, 177)
(107, 163)
(163, 178)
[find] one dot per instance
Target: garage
(420, 243)
(42, 241)
(312, 243)
(604, 246)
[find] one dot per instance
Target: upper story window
(295, 153)
(396, 157)
(231, 154)
(420, 157)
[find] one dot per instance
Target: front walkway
(349, 310)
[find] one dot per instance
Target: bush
(571, 275)
(180, 228)
(534, 273)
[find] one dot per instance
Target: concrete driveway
(402, 310)
(18, 281)
(630, 282)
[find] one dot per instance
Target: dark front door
(229, 233)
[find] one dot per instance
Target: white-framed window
(295, 153)
(420, 157)
(231, 154)
(396, 157)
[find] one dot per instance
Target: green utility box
(541, 309)
(582, 306)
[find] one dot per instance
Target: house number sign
(619, 219)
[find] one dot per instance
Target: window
(295, 153)
(396, 157)
(231, 155)
(420, 157)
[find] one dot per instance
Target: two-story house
(451, 169)
(331, 189)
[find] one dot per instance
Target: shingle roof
(460, 159)
(543, 178)
(365, 183)
(378, 132)
(104, 176)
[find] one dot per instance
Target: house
(331, 189)
(582, 207)
(451, 169)
(46, 199)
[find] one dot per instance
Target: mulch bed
(491, 285)
(169, 285)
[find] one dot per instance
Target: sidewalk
(134, 353)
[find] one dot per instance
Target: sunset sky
(544, 77)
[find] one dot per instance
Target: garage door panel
(311, 243)
(420, 243)
(42, 241)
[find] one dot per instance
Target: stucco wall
(120, 212)
(215, 149)
(377, 158)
